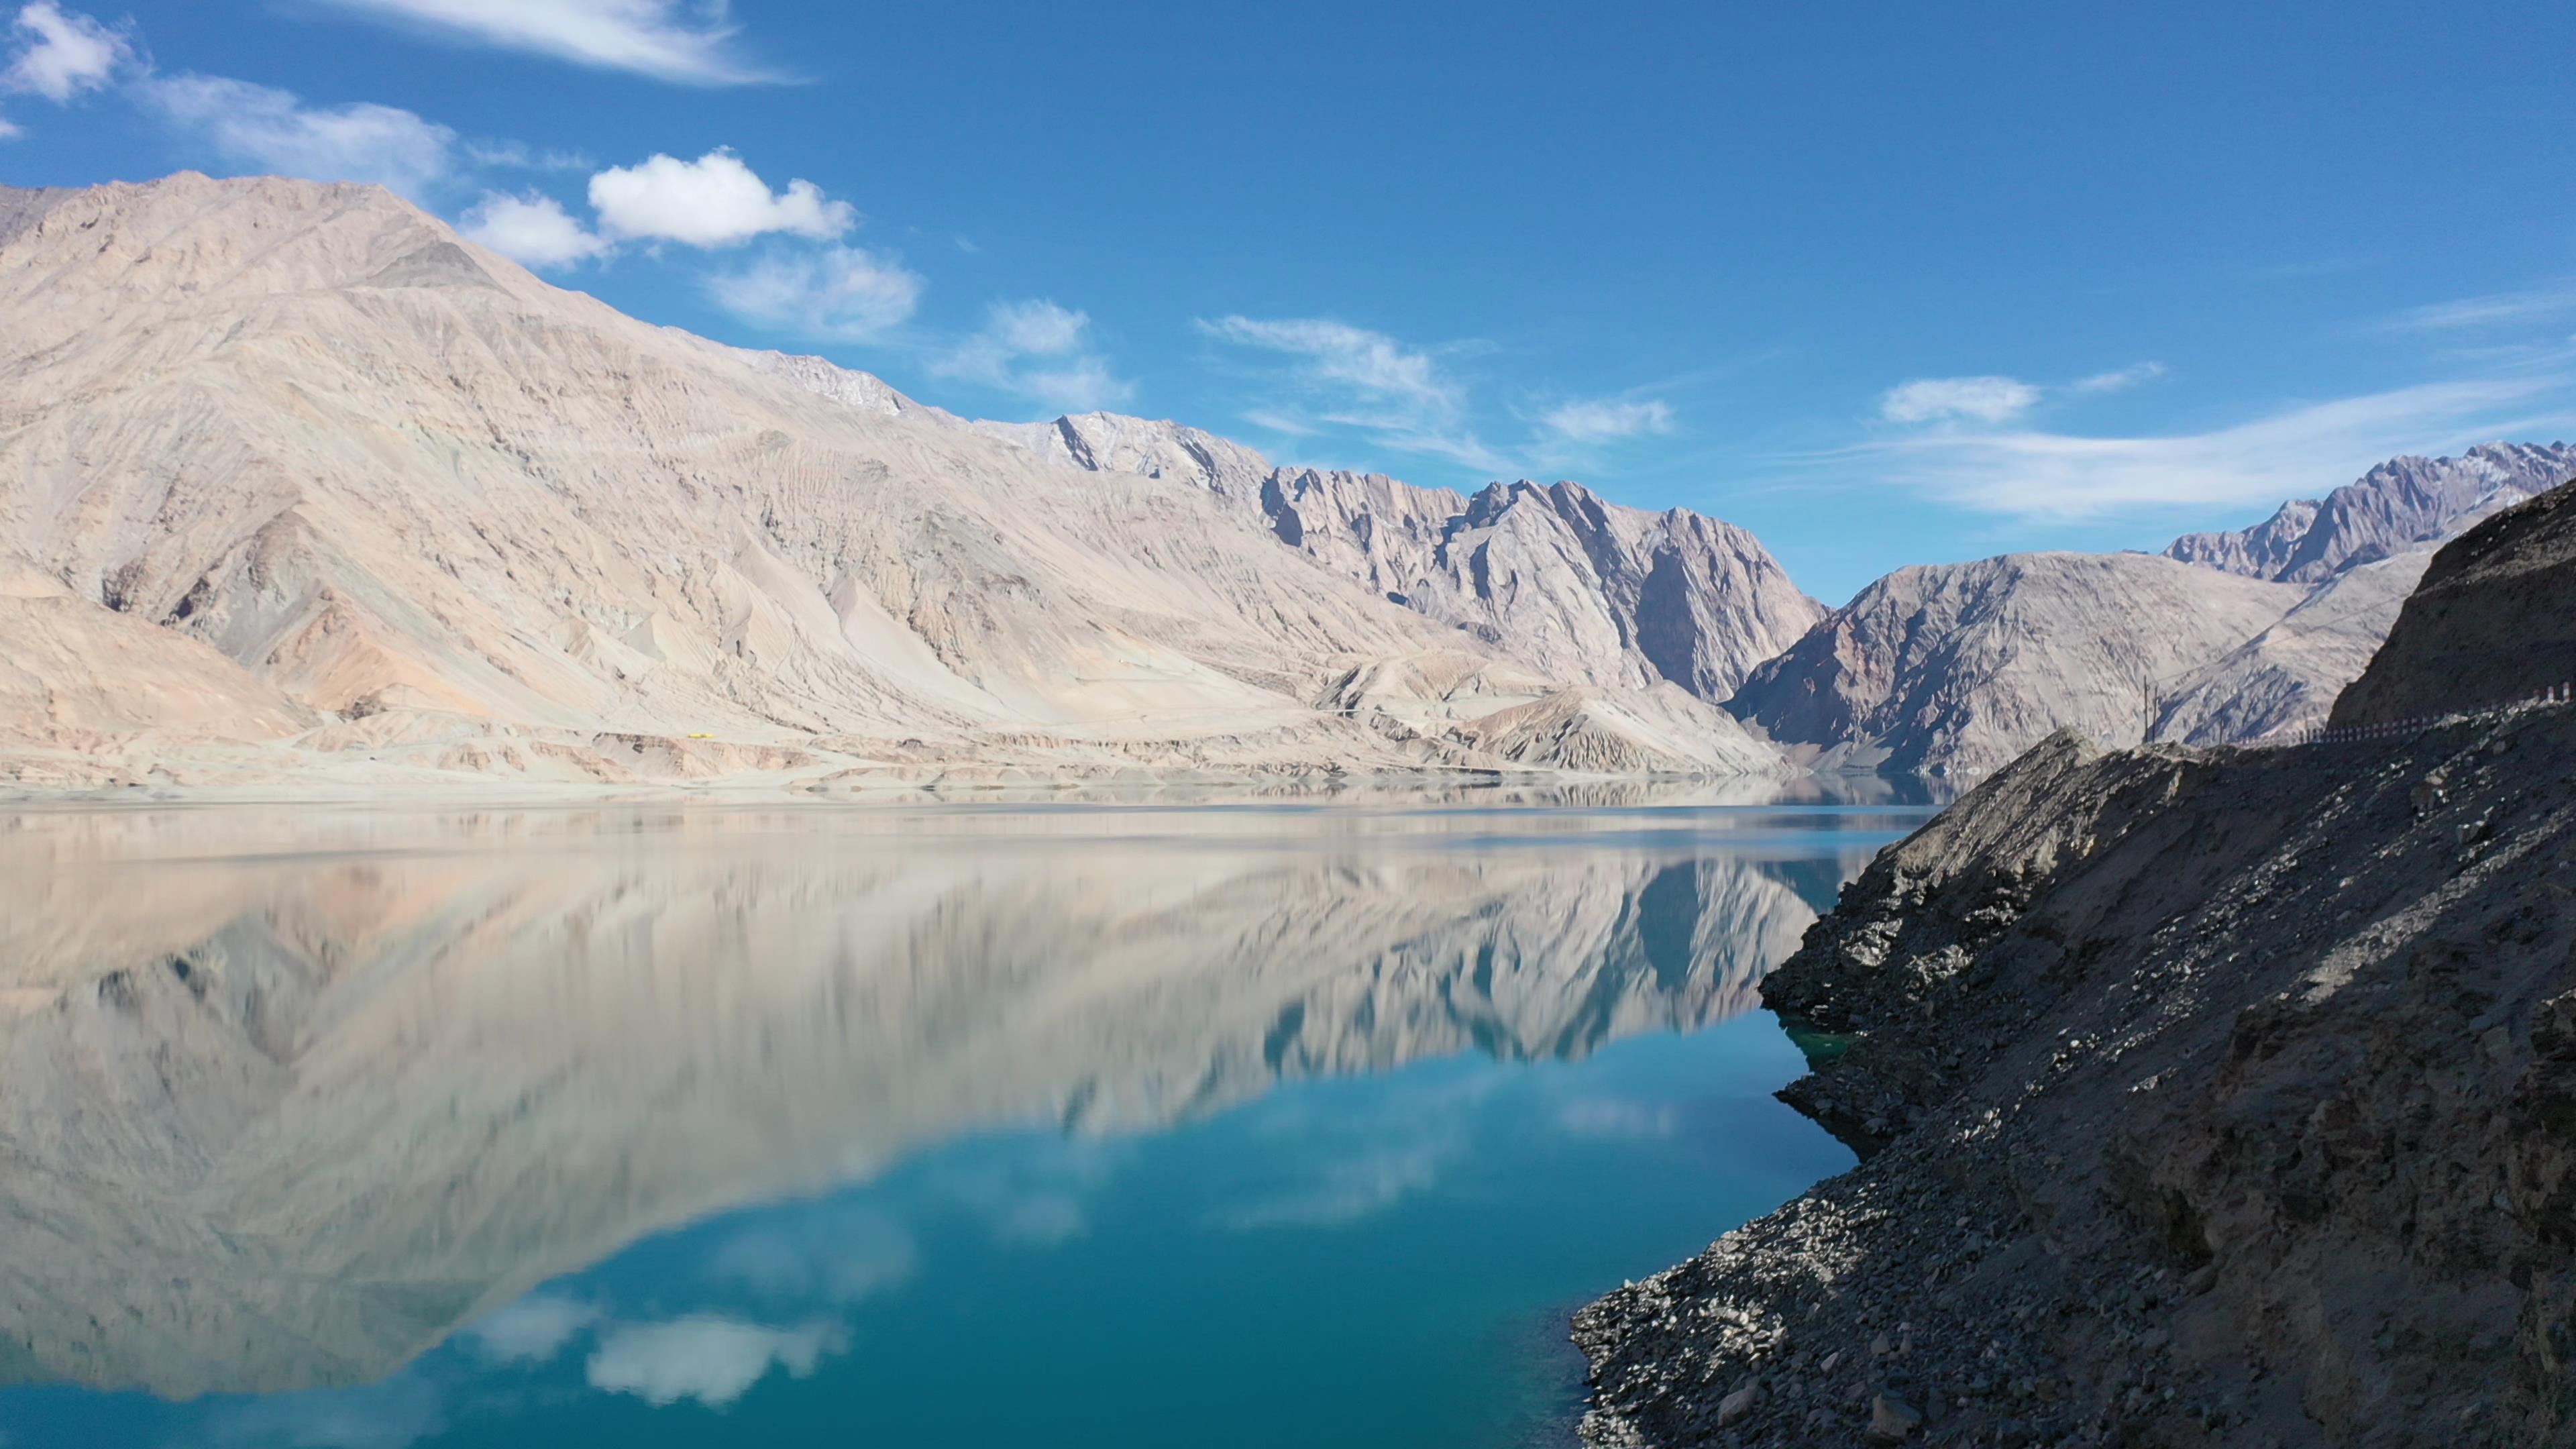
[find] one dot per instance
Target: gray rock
(1736, 1407)
(1892, 1420)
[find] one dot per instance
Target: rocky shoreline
(2204, 1098)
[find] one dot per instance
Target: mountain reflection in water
(286, 1100)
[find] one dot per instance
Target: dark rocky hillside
(2206, 1097)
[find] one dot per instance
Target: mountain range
(297, 485)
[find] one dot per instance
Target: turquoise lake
(1012, 1125)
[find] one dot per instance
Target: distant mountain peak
(2405, 503)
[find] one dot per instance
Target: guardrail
(2393, 729)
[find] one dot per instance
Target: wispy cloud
(2299, 451)
(1931, 399)
(714, 201)
(2119, 379)
(1598, 420)
(1398, 395)
(275, 131)
(2492, 310)
(690, 41)
(519, 156)
(835, 1254)
(1038, 350)
(59, 53)
(394, 1414)
(1278, 422)
(1612, 1117)
(1349, 1190)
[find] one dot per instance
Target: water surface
(1012, 1126)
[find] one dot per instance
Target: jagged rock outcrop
(284, 1123)
(1556, 578)
(2489, 624)
(2403, 504)
(1957, 668)
(484, 524)
(2205, 1096)
(1116, 443)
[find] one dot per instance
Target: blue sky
(1886, 284)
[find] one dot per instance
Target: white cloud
(676, 40)
(844, 293)
(531, 228)
(1067, 377)
(532, 1330)
(61, 53)
(274, 131)
(2494, 309)
(710, 1359)
(2299, 452)
(714, 201)
(1602, 420)
(2120, 379)
(1986, 399)
(9, 129)
(1398, 395)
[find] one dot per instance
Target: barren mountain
(290, 1124)
(2403, 504)
(2287, 677)
(1960, 667)
(469, 521)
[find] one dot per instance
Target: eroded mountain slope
(1957, 668)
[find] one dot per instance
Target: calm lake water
(1003, 1126)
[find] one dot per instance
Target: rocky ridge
(1955, 669)
(2404, 504)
